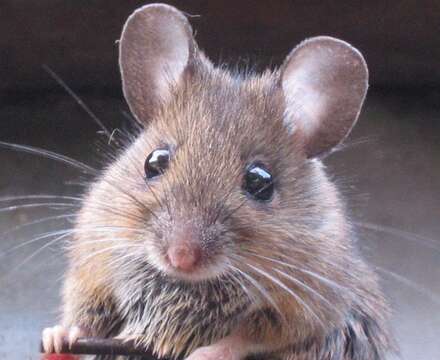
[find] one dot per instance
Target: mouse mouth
(201, 274)
(178, 265)
(200, 271)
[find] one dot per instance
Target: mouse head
(225, 170)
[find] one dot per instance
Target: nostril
(184, 256)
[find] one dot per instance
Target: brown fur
(325, 305)
(234, 120)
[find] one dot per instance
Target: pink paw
(53, 337)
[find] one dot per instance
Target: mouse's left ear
(155, 48)
(324, 82)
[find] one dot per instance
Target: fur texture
(116, 286)
(284, 274)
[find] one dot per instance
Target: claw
(74, 333)
(59, 333)
(47, 338)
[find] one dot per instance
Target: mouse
(217, 232)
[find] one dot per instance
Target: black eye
(156, 163)
(258, 182)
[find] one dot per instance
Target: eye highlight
(156, 163)
(258, 182)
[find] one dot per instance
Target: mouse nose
(184, 251)
(184, 256)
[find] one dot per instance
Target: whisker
(110, 208)
(106, 228)
(251, 296)
(122, 263)
(310, 290)
(412, 285)
(289, 291)
(54, 206)
(35, 253)
(321, 278)
(107, 249)
(99, 241)
(342, 147)
(96, 229)
(430, 243)
(132, 197)
(261, 290)
(50, 155)
(127, 194)
(39, 196)
(81, 103)
(97, 206)
(39, 221)
(35, 239)
(294, 251)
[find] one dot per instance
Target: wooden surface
(98, 346)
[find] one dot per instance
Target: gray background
(389, 169)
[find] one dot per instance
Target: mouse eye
(156, 163)
(258, 182)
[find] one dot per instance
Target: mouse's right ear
(155, 48)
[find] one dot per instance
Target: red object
(59, 357)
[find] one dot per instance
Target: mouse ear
(324, 81)
(156, 46)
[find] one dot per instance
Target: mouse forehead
(221, 116)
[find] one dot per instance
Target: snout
(184, 256)
(185, 247)
(192, 250)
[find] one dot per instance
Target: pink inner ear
(324, 81)
(172, 58)
(155, 47)
(306, 103)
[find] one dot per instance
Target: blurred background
(389, 169)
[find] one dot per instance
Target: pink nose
(184, 256)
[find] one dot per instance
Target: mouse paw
(53, 337)
(215, 352)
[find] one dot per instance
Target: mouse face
(212, 167)
(224, 177)
(202, 175)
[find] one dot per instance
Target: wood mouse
(217, 234)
